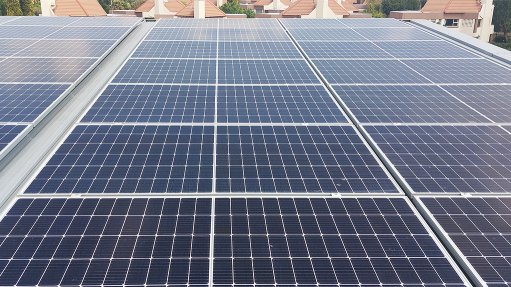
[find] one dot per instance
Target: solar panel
(368, 72)
(130, 159)
(324, 242)
(492, 101)
(29, 32)
(443, 159)
(258, 50)
(290, 23)
(165, 71)
(265, 72)
(461, 71)
(9, 133)
(176, 49)
(9, 47)
(252, 35)
(425, 49)
(377, 23)
(312, 159)
(406, 104)
(6, 19)
(480, 229)
(343, 50)
(106, 241)
(257, 23)
(43, 21)
(47, 70)
(69, 48)
(277, 104)
(99, 33)
(326, 34)
(25, 102)
(187, 23)
(395, 34)
(188, 34)
(106, 21)
(154, 103)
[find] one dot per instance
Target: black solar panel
(324, 242)
(425, 49)
(176, 49)
(480, 228)
(277, 104)
(107, 241)
(313, 159)
(154, 103)
(130, 159)
(448, 158)
(8, 133)
(406, 104)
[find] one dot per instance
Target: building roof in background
(78, 8)
(171, 5)
(211, 10)
(305, 7)
(452, 6)
(268, 2)
(349, 5)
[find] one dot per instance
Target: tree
(12, 8)
(374, 8)
(27, 7)
(2, 8)
(105, 4)
(233, 7)
(502, 16)
(399, 5)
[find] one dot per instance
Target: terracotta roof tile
(305, 7)
(211, 10)
(348, 5)
(452, 6)
(78, 8)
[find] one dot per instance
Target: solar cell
(252, 35)
(9, 133)
(425, 49)
(325, 242)
(343, 50)
(154, 103)
(43, 21)
(25, 102)
(165, 71)
(469, 159)
(69, 48)
(377, 23)
(106, 21)
(176, 49)
(6, 19)
(277, 104)
(9, 47)
(492, 101)
(106, 242)
(367, 72)
(44, 69)
(130, 159)
(29, 32)
(313, 159)
(187, 23)
(258, 50)
(326, 34)
(98, 33)
(461, 71)
(265, 72)
(188, 34)
(257, 23)
(290, 23)
(406, 104)
(394, 34)
(480, 229)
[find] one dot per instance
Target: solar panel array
(214, 157)
(43, 58)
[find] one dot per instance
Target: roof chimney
(199, 8)
(46, 8)
(159, 8)
(322, 9)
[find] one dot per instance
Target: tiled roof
(452, 6)
(211, 10)
(171, 5)
(78, 8)
(268, 2)
(305, 7)
(348, 5)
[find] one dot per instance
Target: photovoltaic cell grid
(393, 34)
(106, 242)
(130, 159)
(8, 133)
(258, 50)
(13, 46)
(343, 50)
(185, 34)
(187, 23)
(406, 104)
(324, 242)
(69, 48)
(425, 49)
(312, 159)
(480, 228)
(176, 49)
(443, 159)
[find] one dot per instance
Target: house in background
(471, 17)
(81, 8)
(271, 6)
(201, 9)
(319, 9)
(169, 8)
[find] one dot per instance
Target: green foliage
(399, 5)
(27, 7)
(233, 7)
(2, 8)
(105, 4)
(12, 8)
(122, 4)
(374, 7)
(502, 16)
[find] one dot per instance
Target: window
(451, 22)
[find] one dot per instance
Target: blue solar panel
(425, 49)
(313, 159)
(130, 159)
(106, 21)
(265, 72)
(492, 101)
(258, 50)
(461, 71)
(281, 104)
(35, 32)
(326, 34)
(448, 158)
(480, 229)
(154, 103)
(69, 48)
(107, 242)
(291, 23)
(6, 19)
(44, 70)
(43, 21)
(187, 23)
(325, 242)
(100, 33)
(25, 102)
(259, 23)
(167, 71)
(253, 35)
(378, 23)
(368, 72)
(9, 133)
(189, 34)
(343, 50)
(9, 47)
(406, 104)
(176, 49)
(393, 34)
